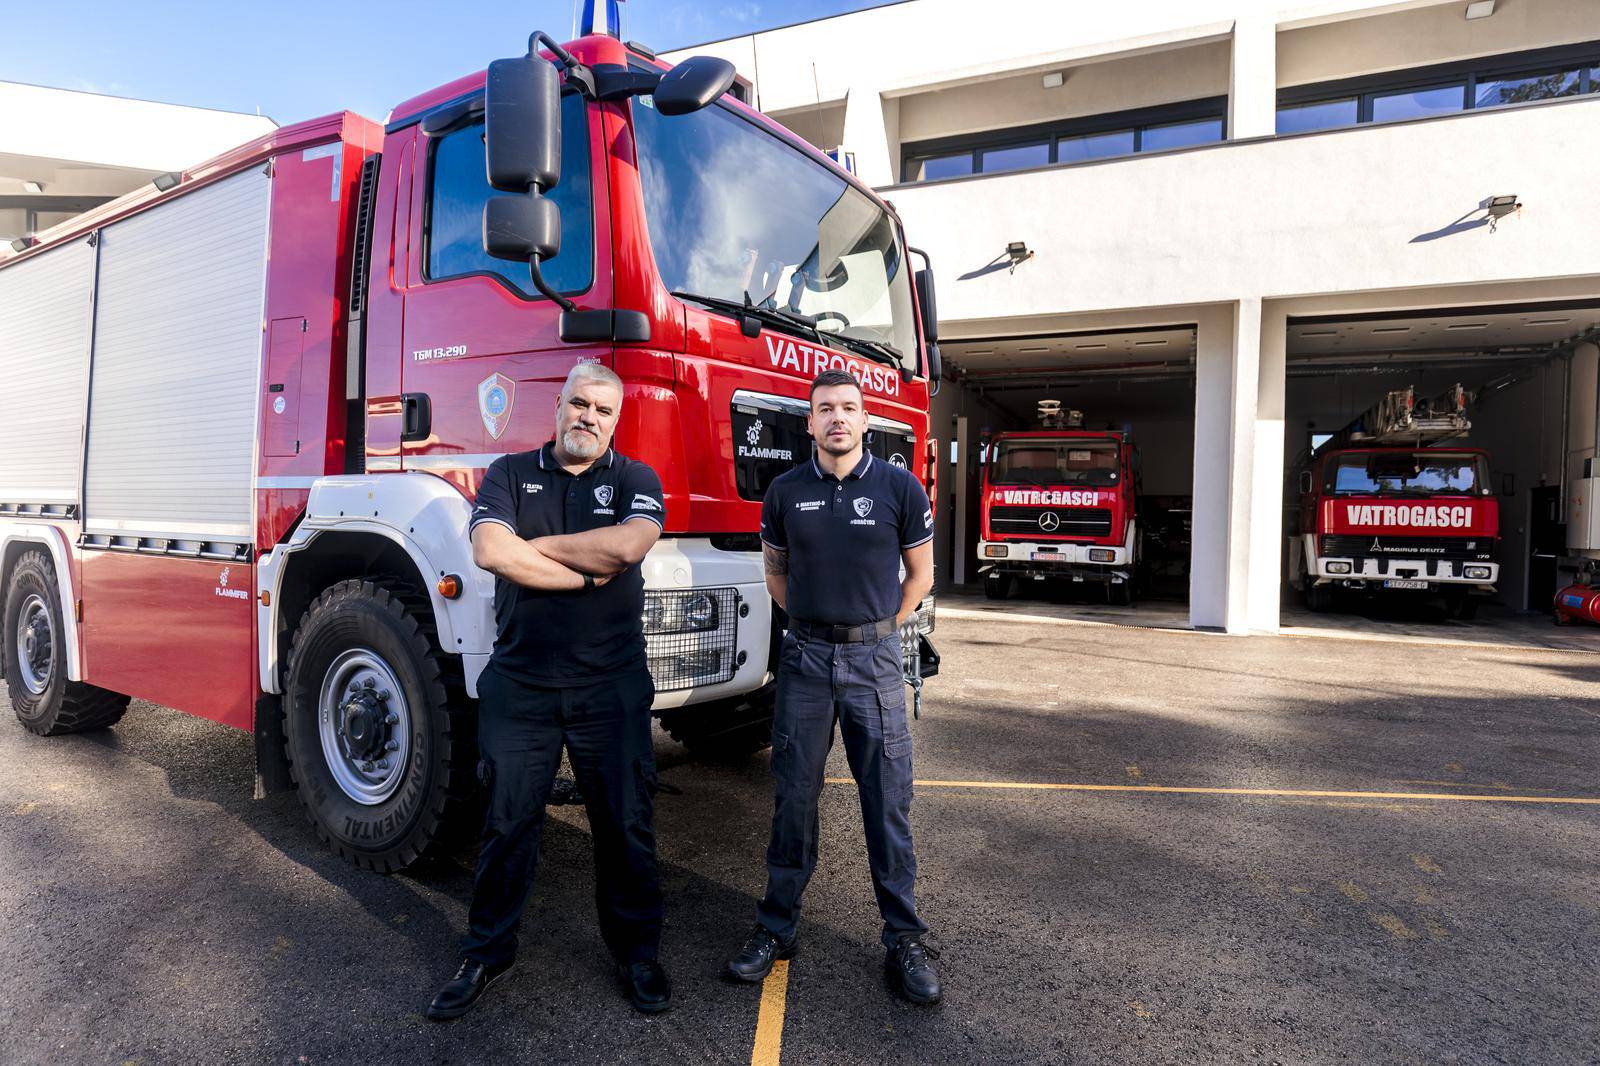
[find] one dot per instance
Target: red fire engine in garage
(1059, 503)
(247, 411)
(1389, 504)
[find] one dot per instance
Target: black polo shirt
(844, 538)
(566, 638)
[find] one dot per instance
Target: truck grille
(1353, 546)
(1074, 521)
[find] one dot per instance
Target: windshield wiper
(771, 316)
(877, 351)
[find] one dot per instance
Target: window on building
(1418, 103)
(459, 186)
(1016, 157)
(1324, 115)
(1095, 146)
(1497, 81)
(945, 166)
(1180, 135)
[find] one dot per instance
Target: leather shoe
(755, 959)
(647, 985)
(909, 967)
(463, 991)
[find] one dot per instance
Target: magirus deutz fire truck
(246, 412)
(1059, 503)
(1392, 504)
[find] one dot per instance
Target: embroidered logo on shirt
(531, 487)
(927, 518)
(641, 502)
(603, 494)
(864, 506)
(808, 505)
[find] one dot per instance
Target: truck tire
(35, 658)
(382, 756)
(997, 586)
(1460, 604)
(1317, 598)
(724, 731)
(1119, 594)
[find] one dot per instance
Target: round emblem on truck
(1049, 521)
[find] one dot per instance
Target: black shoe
(647, 985)
(755, 959)
(462, 991)
(909, 967)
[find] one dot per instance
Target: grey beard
(580, 445)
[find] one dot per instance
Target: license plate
(1048, 557)
(1404, 583)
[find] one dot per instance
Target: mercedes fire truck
(246, 411)
(1059, 503)
(1392, 504)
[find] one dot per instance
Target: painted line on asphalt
(1314, 793)
(769, 1019)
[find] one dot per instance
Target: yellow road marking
(769, 1020)
(1135, 773)
(1197, 791)
(1435, 929)
(1425, 864)
(1353, 891)
(1394, 926)
(1140, 1010)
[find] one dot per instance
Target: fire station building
(1227, 227)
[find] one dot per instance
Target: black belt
(861, 634)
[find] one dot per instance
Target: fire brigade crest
(863, 506)
(753, 434)
(496, 394)
(603, 494)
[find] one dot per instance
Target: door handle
(417, 411)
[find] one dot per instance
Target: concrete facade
(1235, 239)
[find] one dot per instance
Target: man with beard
(834, 534)
(563, 529)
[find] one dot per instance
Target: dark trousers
(606, 730)
(860, 686)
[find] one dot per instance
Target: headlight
(679, 612)
(1478, 573)
(691, 637)
(925, 614)
(1337, 568)
(995, 551)
(1101, 555)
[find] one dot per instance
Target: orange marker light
(449, 586)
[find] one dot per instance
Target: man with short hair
(835, 531)
(563, 529)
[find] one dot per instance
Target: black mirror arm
(578, 75)
(620, 83)
(544, 287)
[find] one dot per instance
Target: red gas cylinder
(1578, 603)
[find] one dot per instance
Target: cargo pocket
(896, 733)
(780, 754)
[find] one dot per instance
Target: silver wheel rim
(36, 645)
(365, 726)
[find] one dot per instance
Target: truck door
(482, 362)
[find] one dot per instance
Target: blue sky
(297, 59)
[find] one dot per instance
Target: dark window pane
(1419, 103)
(945, 166)
(1594, 79)
(1328, 114)
(1095, 146)
(994, 160)
(1181, 135)
(460, 187)
(1524, 90)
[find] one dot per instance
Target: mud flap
(272, 768)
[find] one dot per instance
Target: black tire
(726, 731)
(434, 794)
(1119, 594)
(1461, 605)
(998, 586)
(1317, 598)
(48, 704)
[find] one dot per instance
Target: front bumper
(1348, 572)
(1110, 563)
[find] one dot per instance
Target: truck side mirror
(693, 84)
(935, 368)
(522, 151)
(930, 304)
(1305, 482)
(524, 228)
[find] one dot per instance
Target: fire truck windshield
(1406, 474)
(1045, 462)
(734, 211)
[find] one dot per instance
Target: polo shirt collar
(857, 474)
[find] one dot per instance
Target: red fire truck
(1389, 505)
(246, 411)
(1060, 503)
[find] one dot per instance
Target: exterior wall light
(1054, 79)
(1501, 206)
(1480, 9)
(167, 180)
(1018, 253)
(32, 186)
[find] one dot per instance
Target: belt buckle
(839, 634)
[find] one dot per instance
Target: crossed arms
(559, 563)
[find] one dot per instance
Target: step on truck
(1393, 504)
(1059, 503)
(247, 409)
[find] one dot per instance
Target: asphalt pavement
(1227, 865)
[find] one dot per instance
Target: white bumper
(1433, 571)
(1053, 554)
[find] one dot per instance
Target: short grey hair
(590, 372)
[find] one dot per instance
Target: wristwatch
(588, 581)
